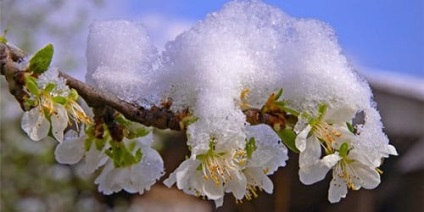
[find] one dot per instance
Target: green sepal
(288, 136)
(278, 95)
(138, 155)
(122, 156)
(322, 109)
(41, 60)
(189, 120)
(73, 95)
(350, 127)
(344, 149)
(138, 132)
(60, 100)
(282, 106)
(31, 86)
(250, 147)
(50, 87)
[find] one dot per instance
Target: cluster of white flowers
(231, 62)
(333, 130)
(135, 171)
(53, 104)
(239, 170)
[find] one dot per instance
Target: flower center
(326, 133)
(345, 172)
(220, 166)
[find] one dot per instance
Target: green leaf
(3, 39)
(250, 147)
(288, 137)
(31, 85)
(41, 60)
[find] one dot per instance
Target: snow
(246, 45)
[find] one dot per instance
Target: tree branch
(160, 117)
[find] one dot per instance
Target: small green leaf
(31, 85)
(60, 100)
(250, 147)
(41, 60)
(3, 39)
(280, 92)
(288, 137)
(282, 106)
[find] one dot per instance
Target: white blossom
(212, 174)
(73, 150)
(329, 127)
(136, 177)
(269, 154)
(35, 124)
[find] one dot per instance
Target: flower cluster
(233, 169)
(53, 103)
(130, 164)
(332, 131)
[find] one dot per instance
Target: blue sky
(378, 34)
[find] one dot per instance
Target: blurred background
(384, 40)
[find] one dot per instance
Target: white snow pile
(246, 45)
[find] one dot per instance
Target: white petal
(389, 150)
(314, 173)
(338, 190)
(256, 177)
(211, 190)
(93, 160)
(219, 202)
(59, 120)
(35, 124)
(145, 174)
(185, 171)
(367, 176)
(311, 153)
(237, 185)
(270, 153)
(101, 180)
(342, 114)
(300, 140)
(70, 151)
(330, 160)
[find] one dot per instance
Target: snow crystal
(121, 58)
